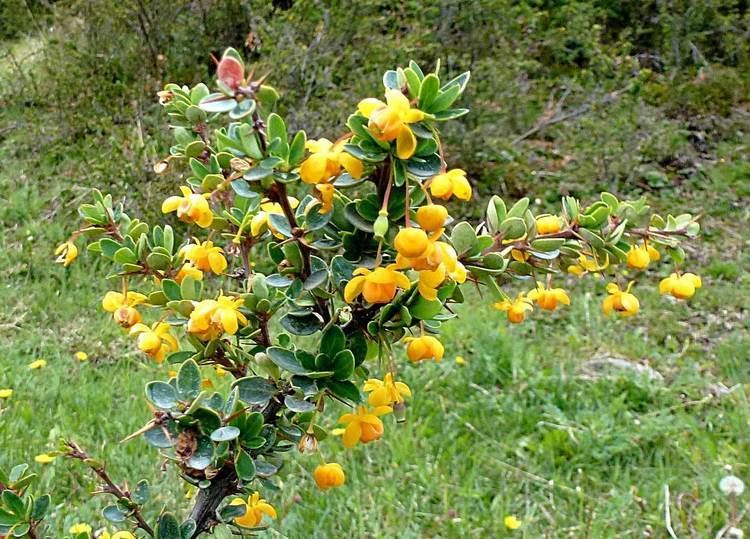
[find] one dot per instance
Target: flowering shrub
(299, 267)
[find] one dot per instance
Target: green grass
(517, 430)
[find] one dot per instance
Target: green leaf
(217, 102)
(463, 238)
(39, 509)
(225, 434)
(286, 360)
(171, 289)
(255, 390)
(158, 438)
(302, 323)
(114, 514)
(161, 394)
(125, 255)
(245, 466)
(343, 365)
(333, 341)
(428, 91)
(187, 528)
(109, 247)
(204, 454)
(423, 309)
(344, 389)
(13, 502)
(518, 209)
(191, 289)
(168, 527)
(189, 379)
(297, 148)
(298, 405)
(243, 109)
(276, 128)
(141, 492)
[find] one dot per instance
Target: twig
(75, 452)
(547, 120)
(667, 514)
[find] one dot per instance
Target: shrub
(298, 267)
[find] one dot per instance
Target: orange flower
(363, 425)
(515, 310)
(329, 475)
(424, 347)
(390, 121)
(190, 207)
(377, 286)
(622, 302)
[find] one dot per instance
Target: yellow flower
(653, 254)
(38, 364)
(623, 302)
(324, 192)
(260, 222)
(220, 371)
(205, 257)
(75, 529)
(548, 224)
(327, 160)
(451, 183)
(515, 310)
(386, 392)
(66, 253)
(453, 267)
(376, 286)
(460, 361)
(211, 318)
(329, 475)
(363, 425)
(191, 207)
(587, 265)
(123, 307)
(188, 270)
(117, 535)
(432, 217)
(206, 383)
(255, 508)
(548, 298)
(390, 121)
(44, 458)
(155, 341)
(411, 242)
(6, 393)
(429, 259)
(638, 257)
(81, 356)
(424, 347)
(512, 523)
(680, 286)
(429, 281)
(522, 256)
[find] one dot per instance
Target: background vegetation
(636, 97)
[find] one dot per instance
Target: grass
(521, 429)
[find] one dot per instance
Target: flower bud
(308, 443)
(411, 242)
(432, 217)
(380, 228)
(548, 224)
(399, 412)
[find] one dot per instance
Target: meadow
(576, 424)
